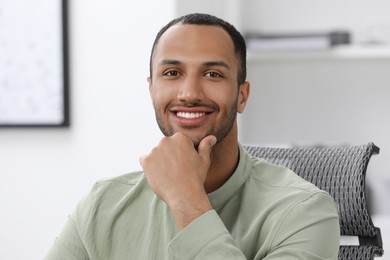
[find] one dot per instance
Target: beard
(220, 132)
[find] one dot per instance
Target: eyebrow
(169, 62)
(205, 64)
(216, 63)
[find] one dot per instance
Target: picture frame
(34, 63)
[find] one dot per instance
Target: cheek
(161, 95)
(222, 97)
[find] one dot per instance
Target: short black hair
(206, 19)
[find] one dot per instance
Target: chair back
(341, 171)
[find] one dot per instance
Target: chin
(196, 141)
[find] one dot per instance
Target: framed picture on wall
(34, 78)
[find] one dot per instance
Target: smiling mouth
(189, 115)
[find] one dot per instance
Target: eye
(213, 74)
(172, 73)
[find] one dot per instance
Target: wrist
(185, 212)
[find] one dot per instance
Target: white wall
(229, 10)
(44, 172)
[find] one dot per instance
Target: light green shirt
(262, 212)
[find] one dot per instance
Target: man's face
(194, 85)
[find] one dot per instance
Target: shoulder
(283, 189)
(106, 194)
(271, 175)
(290, 208)
(280, 177)
(126, 180)
(120, 186)
(277, 184)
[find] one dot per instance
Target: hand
(176, 172)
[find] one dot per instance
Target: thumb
(205, 146)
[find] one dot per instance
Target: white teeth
(190, 115)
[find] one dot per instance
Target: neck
(224, 161)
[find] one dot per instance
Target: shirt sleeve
(205, 238)
(68, 245)
(309, 230)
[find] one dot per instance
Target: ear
(243, 96)
(149, 79)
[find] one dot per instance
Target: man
(201, 196)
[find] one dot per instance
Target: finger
(206, 145)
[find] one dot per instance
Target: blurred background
(313, 94)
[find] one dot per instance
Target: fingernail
(214, 141)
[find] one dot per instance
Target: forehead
(185, 41)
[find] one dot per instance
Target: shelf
(341, 52)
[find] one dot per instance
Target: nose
(190, 90)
